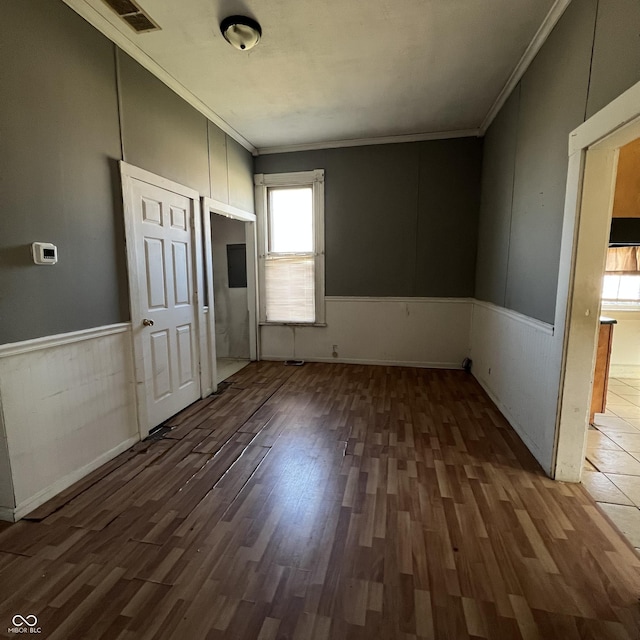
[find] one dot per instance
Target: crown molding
(122, 40)
(97, 20)
(363, 142)
(550, 21)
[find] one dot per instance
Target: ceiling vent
(133, 15)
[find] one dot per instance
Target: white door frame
(209, 207)
(129, 173)
(593, 158)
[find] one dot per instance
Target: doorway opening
(230, 301)
(611, 471)
(594, 149)
(230, 267)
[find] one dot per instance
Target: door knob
(147, 323)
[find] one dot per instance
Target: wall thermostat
(44, 253)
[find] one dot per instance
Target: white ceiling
(328, 70)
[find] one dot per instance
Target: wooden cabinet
(601, 373)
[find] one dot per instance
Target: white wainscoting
(625, 351)
(417, 332)
(68, 405)
(68, 402)
(516, 359)
(7, 498)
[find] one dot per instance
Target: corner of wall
(7, 493)
(515, 360)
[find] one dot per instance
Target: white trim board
(26, 506)
(48, 342)
(97, 20)
(624, 370)
(609, 120)
(593, 151)
(399, 299)
(380, 363)
(518, 317)
(227, 210)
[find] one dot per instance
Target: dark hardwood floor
(324, 502)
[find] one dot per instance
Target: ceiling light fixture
(241, 32)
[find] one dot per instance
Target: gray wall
(592, 56)
(160, 131)
(60, 142)
(59, 180)
(400, 220)
(230, 170)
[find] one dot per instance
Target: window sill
(614, 306)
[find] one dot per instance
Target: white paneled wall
(7, 499)
(68, 406)
(422, 332)
(517, 361)
(625, 351)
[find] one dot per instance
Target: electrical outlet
(335, 351)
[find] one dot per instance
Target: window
(621, 284)
(290, 208)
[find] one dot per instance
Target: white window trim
(315, 179)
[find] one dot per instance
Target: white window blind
(622, 288)
(621, 284)
(290, 289)
(289, 271)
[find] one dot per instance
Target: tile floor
(612, 466)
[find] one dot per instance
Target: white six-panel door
(160, 229)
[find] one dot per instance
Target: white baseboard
(518, 428)
(624, 370)
(414, 332)
(23, 509)
(384, 363)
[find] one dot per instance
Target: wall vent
(133, 15)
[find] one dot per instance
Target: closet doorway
(230, 261)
